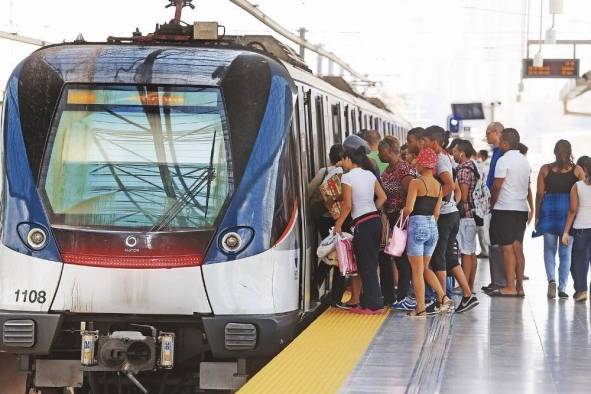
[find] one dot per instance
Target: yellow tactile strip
(321, 358)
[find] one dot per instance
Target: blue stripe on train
(21, 200)
(253, 202)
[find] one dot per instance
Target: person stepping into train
(423, 205)
(362, 197)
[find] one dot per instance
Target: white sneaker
(552, 289)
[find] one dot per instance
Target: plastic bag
(331, 259)
(397, 243)
(345, 255)
(326, 250)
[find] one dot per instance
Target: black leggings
(366, 243)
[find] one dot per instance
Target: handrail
(23, 39)
(261, 16)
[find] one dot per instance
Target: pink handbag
(345, 256)
(397, 242)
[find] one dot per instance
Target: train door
(307, 170)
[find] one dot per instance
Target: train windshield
(138, 157)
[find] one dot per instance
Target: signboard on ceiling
(467, 111)
(552, 68)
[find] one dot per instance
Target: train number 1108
(31, 296)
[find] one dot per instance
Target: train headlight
(231, 242)
(36, 238)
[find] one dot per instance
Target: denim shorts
(422, 236)
(467, 236)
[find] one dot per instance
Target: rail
(261, 16)
(23, 39)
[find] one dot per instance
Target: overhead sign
(467, 111)
(552, 68)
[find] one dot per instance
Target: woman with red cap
(423, 203)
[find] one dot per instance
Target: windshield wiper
(204, 179)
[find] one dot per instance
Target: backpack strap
(475, 170)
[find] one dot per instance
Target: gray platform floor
(510, 345)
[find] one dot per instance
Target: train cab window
(140, 158)
(336, 124)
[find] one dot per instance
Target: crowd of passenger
(446, 195)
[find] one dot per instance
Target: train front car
(149, 212)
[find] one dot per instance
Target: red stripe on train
(131, 262)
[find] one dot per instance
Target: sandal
(446, 304)
(499, 293)
(414, 313)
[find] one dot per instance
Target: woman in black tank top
(423, 203)
(555, 180)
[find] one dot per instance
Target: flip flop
(498, 293)
(414, 313)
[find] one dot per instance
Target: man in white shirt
(512, 204)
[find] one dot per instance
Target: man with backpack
(445, 260)
(473, 206)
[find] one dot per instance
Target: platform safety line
(321, 358)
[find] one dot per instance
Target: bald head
(373, 138)
(493, 133)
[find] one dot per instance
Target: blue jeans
(422, 235)
(551, 244)
(581, 257)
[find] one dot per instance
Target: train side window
(309, 133)
(320, 132)
(353, 122)
(347, 130)
(336, 124)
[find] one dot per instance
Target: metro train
(154, 219)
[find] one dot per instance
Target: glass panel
(133, 157)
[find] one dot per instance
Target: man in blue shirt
(493, 137)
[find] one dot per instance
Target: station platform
(505, 345)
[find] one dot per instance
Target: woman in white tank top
(579, 218)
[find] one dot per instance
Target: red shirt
(391, 180)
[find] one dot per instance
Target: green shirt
(375, 156)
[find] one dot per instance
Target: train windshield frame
(137, 157)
